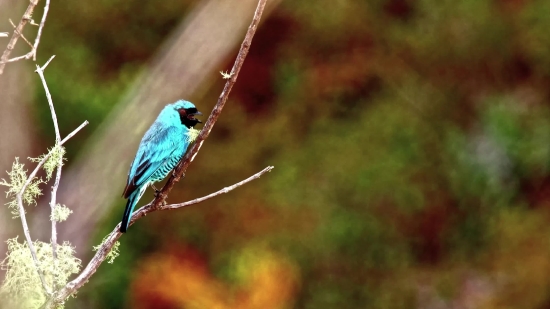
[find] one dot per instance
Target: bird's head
(187, 112)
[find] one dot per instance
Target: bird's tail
(130, 205)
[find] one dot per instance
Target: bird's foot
(157, 191)
(174, 174)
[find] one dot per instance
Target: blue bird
(160, 150)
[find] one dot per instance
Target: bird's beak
(198, 114)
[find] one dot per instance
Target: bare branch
(209, 196)
(40, 71)
(111, 239)
(40, 28)
(70, 135)
(45, 65)
(26, 56)
(53, 202)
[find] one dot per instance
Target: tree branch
(211, 195)
(22, 215)
(70, 135)
(53, 202)
(18, 32)
(191, 153)
(111, 239)
(40, 28)
(26, 56)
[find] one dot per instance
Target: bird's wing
(157, 146)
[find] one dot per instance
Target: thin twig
(26, 56)
(40, 71)
(53, 202)
(111, 239)
(191, 153)
(70, 135)
(209, 196)
(45, 64)
(22, 36)
(40, 28)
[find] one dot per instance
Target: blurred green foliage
(410, 141)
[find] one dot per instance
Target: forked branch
(19, 198)
(18, 32)
(111, 239)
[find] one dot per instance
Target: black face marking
(191, 111)
(187, 116)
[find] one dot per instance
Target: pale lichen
(17, 179)
(192, 134)
(56, 155)
(60, 213)
(22, 287)
(113, 254)
(226, 75)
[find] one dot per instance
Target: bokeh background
(410, 139)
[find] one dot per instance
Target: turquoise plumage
(160, 150)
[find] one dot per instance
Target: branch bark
(40, 28)
(53, 202)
